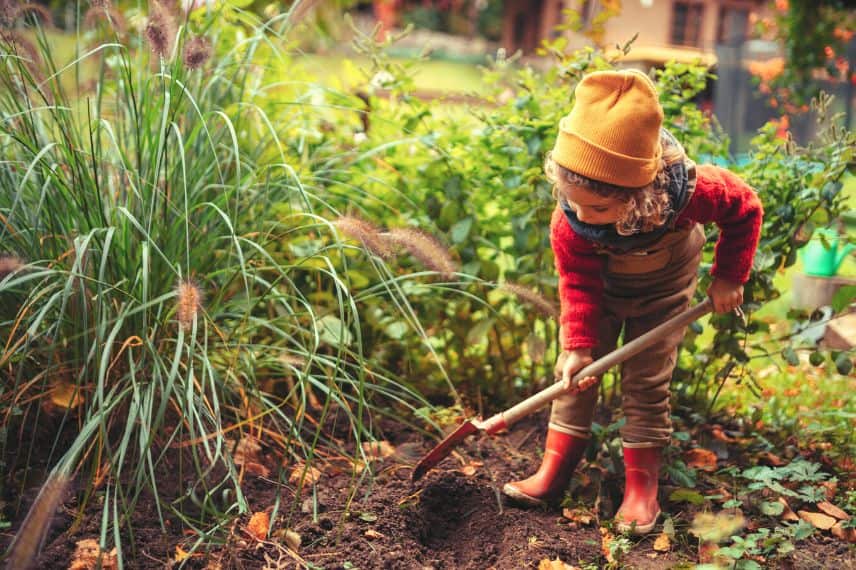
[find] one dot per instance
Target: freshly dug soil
(455, 518)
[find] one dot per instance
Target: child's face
(592, 208)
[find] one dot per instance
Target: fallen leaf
(817, 520)
(833, 511)
(662, 543)
(581, 516)
(707, 552)
(846, 534)
(376, 450)
(259, 525)
(292, 540)
(557, 564)
(606, 539)
(771, 458)
(716, 432)
(66, 395)
(248, 454)
(311, 476)
(86, 556)
(699, 458)
(788, 514)
(372, 533)
(831, 487)
(468, 470)
(256, 469)
(180, 554)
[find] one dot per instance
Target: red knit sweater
(720, 197)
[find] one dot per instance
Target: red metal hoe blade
(443, 449)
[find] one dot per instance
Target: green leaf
(333, 331)
(772, 509)
(396, 330)
(368, 517)
(790, 356)
(803, 530)
(687, 496)
(843, 297)
(461, 229)
(681, 474)
(479, 331)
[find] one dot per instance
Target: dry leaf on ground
(376, 450)
(662, 543)
(699, 458)
(66, 395)
(259, 525)
(547, 564)
(248, 454)
(580, 516)
(372, 533)
(311, 476)
(87, 553)
(717, 432)
(787, 513)
(606, 539)
(180, 555)
(833, 511)
(706, 552)
(846, 534)
(293, 540)
(817, 520)
(470, 469)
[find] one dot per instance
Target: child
(627, 241)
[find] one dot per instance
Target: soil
(454, 518)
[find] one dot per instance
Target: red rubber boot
(562, 453)
(639, 511)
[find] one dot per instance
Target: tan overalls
(641, 290)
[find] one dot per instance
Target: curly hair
(645, 208)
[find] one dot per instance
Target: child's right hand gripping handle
(601, 365)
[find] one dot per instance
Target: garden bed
(454, 518)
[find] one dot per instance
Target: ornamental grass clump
(149, 296)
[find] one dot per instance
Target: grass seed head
(197, 51)
(533, 298)
(160, 29)
(106, 11)
(8, 12)
(37, 10)
(425, 248)
(365, 232)
(189, 304)
(9, 264)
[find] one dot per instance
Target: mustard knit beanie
(612, 134)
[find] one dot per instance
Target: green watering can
(824, 259)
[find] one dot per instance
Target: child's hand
(726, 295)
(569, 362)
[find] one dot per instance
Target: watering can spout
(839, 259)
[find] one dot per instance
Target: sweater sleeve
(725, 199)
(580, 270)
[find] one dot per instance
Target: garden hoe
(535, 402)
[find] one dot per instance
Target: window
(686, 23)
